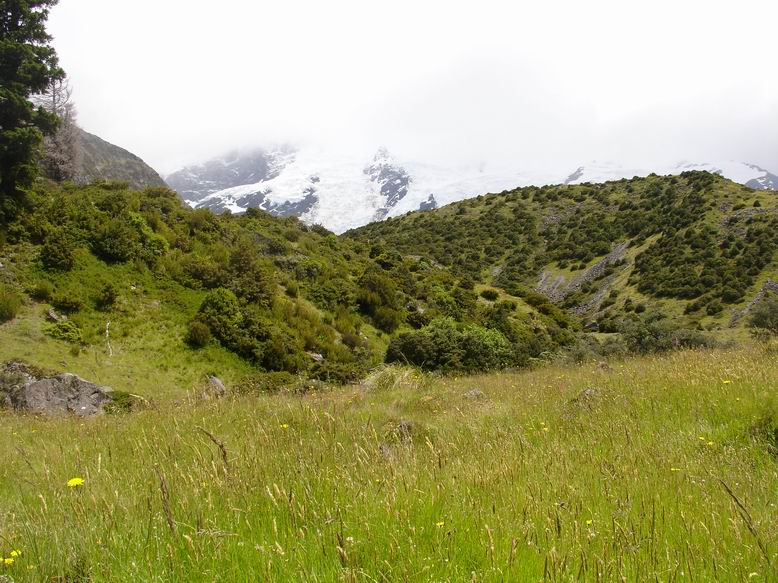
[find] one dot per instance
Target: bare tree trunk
(61, 156)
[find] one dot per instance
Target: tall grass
(649, 470)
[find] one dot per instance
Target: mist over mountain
(342, 191)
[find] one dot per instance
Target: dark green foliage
(377, 297)
(68, 302)
(122, 402)
(490, 294)
(10, 302)
(387, 319)
(272, 382)
(117, 241)
(338, 373)
(657, 334)
(198, 334)
(58, 251)
(107, 296)
(42, 290)
(220, 312)
(444, 345)
(28, 64)
(67, 331)
(764, 316)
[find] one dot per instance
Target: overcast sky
(535, 84)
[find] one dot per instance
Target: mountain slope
(342, 192)
(101, 160)
(696, 246)
(180, 285)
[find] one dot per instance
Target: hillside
(101, 160)
(253, 298)
(696, 247)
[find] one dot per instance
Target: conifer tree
(28, 65)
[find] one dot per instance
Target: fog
(537, 85)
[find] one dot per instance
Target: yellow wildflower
(284, 426)
(727, 382)
(16, 554)
(439, 524)
(9, 561)
(76, 482)
(588, 523)
(675, 469)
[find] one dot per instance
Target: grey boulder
(24, 389)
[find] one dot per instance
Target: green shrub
(68, 302)
(269, 382)
(490, 294)
(444, 345)
(654, 334)
(107, 296)
(122, 402)
(10, 302)
(58, 252)
(764, 316)
(42, 290)
(198, 334)
(339, 373)
(387, 319)
(66, 331)
(117, 242)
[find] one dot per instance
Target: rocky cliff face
(101, 160)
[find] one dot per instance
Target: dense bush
(444, 345)
(68, 301)
(10, 302)
(67, 331)
(42, 290)
(198, 334)
(107, 296)
(764, 316)
(490, 294)
(339, 373)
(58, 251)
(657, 334)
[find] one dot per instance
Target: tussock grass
(656, 473)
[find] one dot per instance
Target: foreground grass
(657, 474)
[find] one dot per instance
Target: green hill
(188, 292)
(491, 283)
(696, 247)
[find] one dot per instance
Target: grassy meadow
(665, 470)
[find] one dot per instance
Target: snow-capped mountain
(342, 192)
(749, 174)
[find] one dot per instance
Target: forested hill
(697, 246)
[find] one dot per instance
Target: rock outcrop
(24, 388)
(557, 288)
(769, 286)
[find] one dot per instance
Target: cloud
(547, 84)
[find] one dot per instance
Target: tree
(28, 65)
(61, 156)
